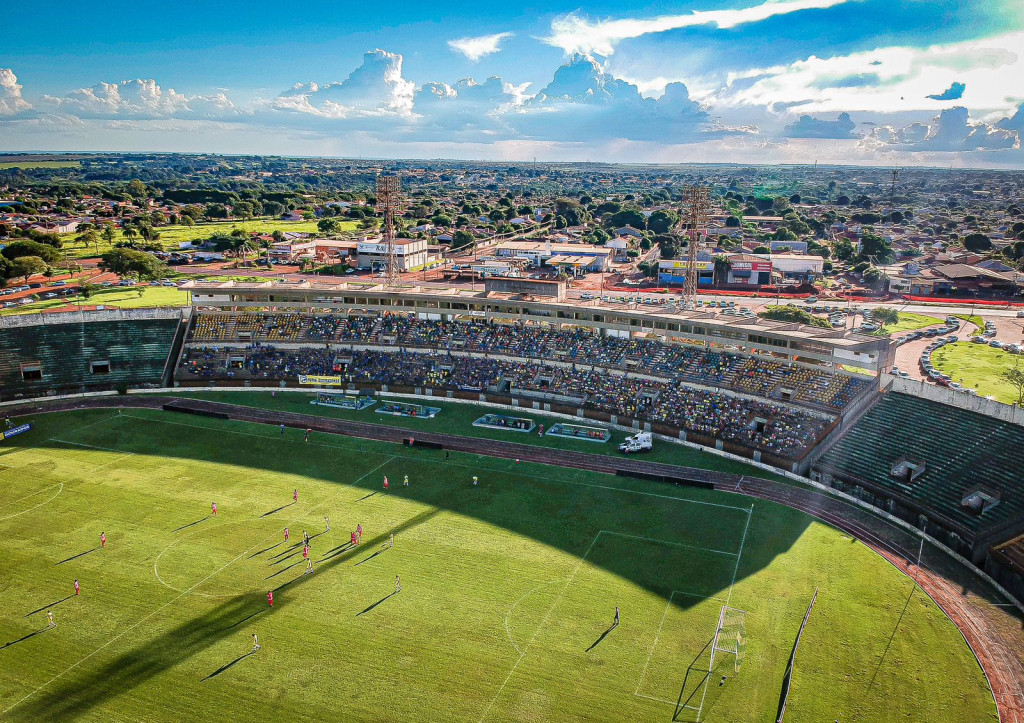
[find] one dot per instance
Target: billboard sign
(15, 431)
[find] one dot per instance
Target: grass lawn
(909, 322)
(172, 236)
(5, 165)
(979, 367)
(508, 589)
(117, 297)
(976, 320)
(459, 418)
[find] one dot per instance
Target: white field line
(31, 494)
(543, 622)
(654, 645)
(120, 452)
(739, 555)
(16, 514)
(169, 602)
(515, 604)
(682, 500)
(672, 544)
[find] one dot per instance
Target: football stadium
(351, 502)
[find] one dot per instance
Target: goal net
(729, 642)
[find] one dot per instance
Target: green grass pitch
(509, 589)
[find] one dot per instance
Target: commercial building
(537, 253)
(674, 272)
(796, 267)
(411, 254)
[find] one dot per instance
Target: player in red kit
(213, 509)
(386, 485)
(78, 590)
(305, 556)
(295, 496)
(103, 539)
(286, 535)
(270, 598)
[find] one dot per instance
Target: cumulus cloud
(953, 92)
(574, 33)
(949, 131)
(884, 80)
(11, 101)
(141, 99)
(1014, 122)
(376, 87)
(811, 127)
(479, 47)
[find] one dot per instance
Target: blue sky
(697, 80)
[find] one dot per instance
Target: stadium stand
(574, 345)
(94, 352)
(954, 473)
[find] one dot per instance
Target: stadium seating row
(761, 376)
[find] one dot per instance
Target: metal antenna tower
(389, 201)
(696, 206)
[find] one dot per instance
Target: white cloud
(11, 101)
(885, 80)
(949, 131)
(811, 127)
(138, 99)
(479, 47)
(576, 34)
(376, 87)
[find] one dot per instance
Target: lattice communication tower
(696, 206)
(389, 202)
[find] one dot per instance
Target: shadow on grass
(367, 559)
(24, 638)
(190, 524)
(282, 507)
(366, 497)
(51, 605)
(224, 667)
(266, 549)
(602, 637)
(75, 557)
(78, 692)
(283, 569)
(366, 610)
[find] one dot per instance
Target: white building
(411, 253)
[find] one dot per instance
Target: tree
(108, 234)
(461, 239)
(669, 245)
(5, 271)
(87, 289)
(731, 222)
(843, 249)
(761, 250)
(872, 245)
(722, 267)
(789, 312)
(328, 226)
(89, 237)
(977, 242)
(885, 316)
(629, 217)
(129, 233)
(18, 249)
(26, 266)
(662, 221)
(133, 264)
(1015, 378)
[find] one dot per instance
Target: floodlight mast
(696, 206)
(389, 201)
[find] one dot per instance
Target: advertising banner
(320, 380)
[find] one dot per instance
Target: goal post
(730, 640)
(731, 636)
